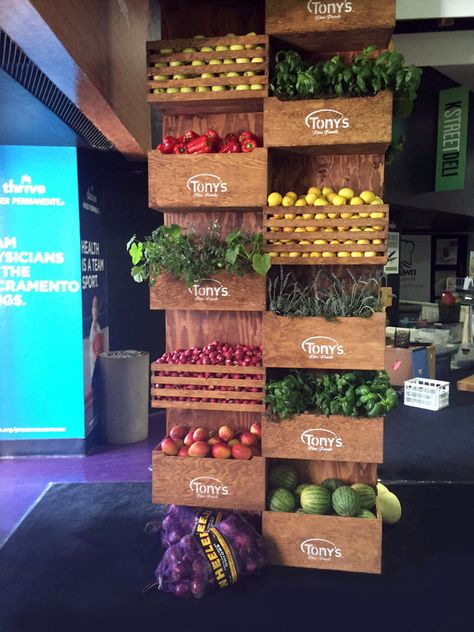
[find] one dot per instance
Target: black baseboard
(44, 447)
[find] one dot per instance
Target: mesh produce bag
(181, 521)
(211, 559)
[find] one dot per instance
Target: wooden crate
(331, 26)
(333, 438)
(351, 125)
(323, 542)
(201, 181)
(228, 99)
(208, 482)
(165, 386)
(282, 251)
(221, 292)
(345, 343)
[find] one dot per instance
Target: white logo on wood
(328, 10)
(317, 549)
(208, 487)
(208, 290)
(206, 185)
(322, 348)
(326, 121)
(321, 440)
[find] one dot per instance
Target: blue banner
(41, 363)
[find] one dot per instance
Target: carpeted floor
(80, 560)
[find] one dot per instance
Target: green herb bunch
(352, 394)
(192, 257)
(366, 75)
(327, 296)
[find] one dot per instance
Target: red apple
(188, 439)
(256, 429)
(221, 451)
(169, 447)
(242, 452)
(178, 432)
(179, 442)
(200, 448)
(213, 441)
(201, 434)
(233, 442)
(226, 433)
(249, 439)
(256, 450)
(183, 451)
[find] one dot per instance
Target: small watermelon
(283, 476)
(331, 484)
(345, 501)
(298, 491)
(365, 513)
(315, 499)
(281, 500)
(366, 493)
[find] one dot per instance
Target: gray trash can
(124, 389)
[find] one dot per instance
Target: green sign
(453, 113)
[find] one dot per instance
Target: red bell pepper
(249, 145)
(244, 136)
(231, 147)
(166, 147)
(231, 136)
(179, 148)
(215, 139)
(200, 145)
(190, 135)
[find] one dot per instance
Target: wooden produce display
(207, 180)
(221, 292)
(343, 343)
(330, 26)
(213, 391)
(333, 438)
(347, 125)
(229, 484)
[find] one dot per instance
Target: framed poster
(415, 268)
(446, 252)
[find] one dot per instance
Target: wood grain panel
(212, 419)
(347, 125)
(223, 292)
(333, 438)
(208, 482)
(323, 542)
(178, 124)
(247, 221)
(207, 180)
(345, 343)
(317, 471)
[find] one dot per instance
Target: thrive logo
(322, 348)
(327, 121)
(206, 185)
(208, 487)
(320, 550)
(212, 291)
(25, 187)
(321, 440)
(328, 10)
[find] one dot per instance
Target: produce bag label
(218, 553)
(206, 520)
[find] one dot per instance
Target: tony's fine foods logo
(328, 10)
(322, 348)
(321, 440)
(25, 187)
(206, 185)
(317, 549)
(208, 290)
(326, 121)
(208, 487)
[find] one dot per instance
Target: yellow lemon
(341, 228)
(304, 241)
(308, 216)
(314, 191)
(333, 215)
(376, 242)
(357, 254)
(367, 196)
(310, 229)
(354, 230)
(284, 254)
(334, 242)
(339, 200)
(320, 216)
(315, 255)
(328, 254)
(284, 241)
(330, 196)
(328, 230)
(277, 216)
(377, 200)
(273, 254)
(300, 202)
(356, 201)
(361, 242)
(287, 229)
(271, 241)
(355, 216)
(305, 254)
(370, 253)
(294, 254)
(368, 230)
(377, 227)
(300, 229)
(320, 242)
(292, 194)
(346, 193)
(288, 200)
(289, 216)
(377, 215)
(346, 215)
(364, 214)
(310, 198)
(274, 229)
(326, 191)
(274, 199)
(320, 202)
(343, 254)
(349, 241)
(298, 217)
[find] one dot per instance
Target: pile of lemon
(321, 198)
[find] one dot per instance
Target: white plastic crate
(428, 394)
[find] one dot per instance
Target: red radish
(248, 439)
(226, 433)
(241, 452)
(256, 427)
(169, 447)
(221, 451)
(183, 451)
(200, 449)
